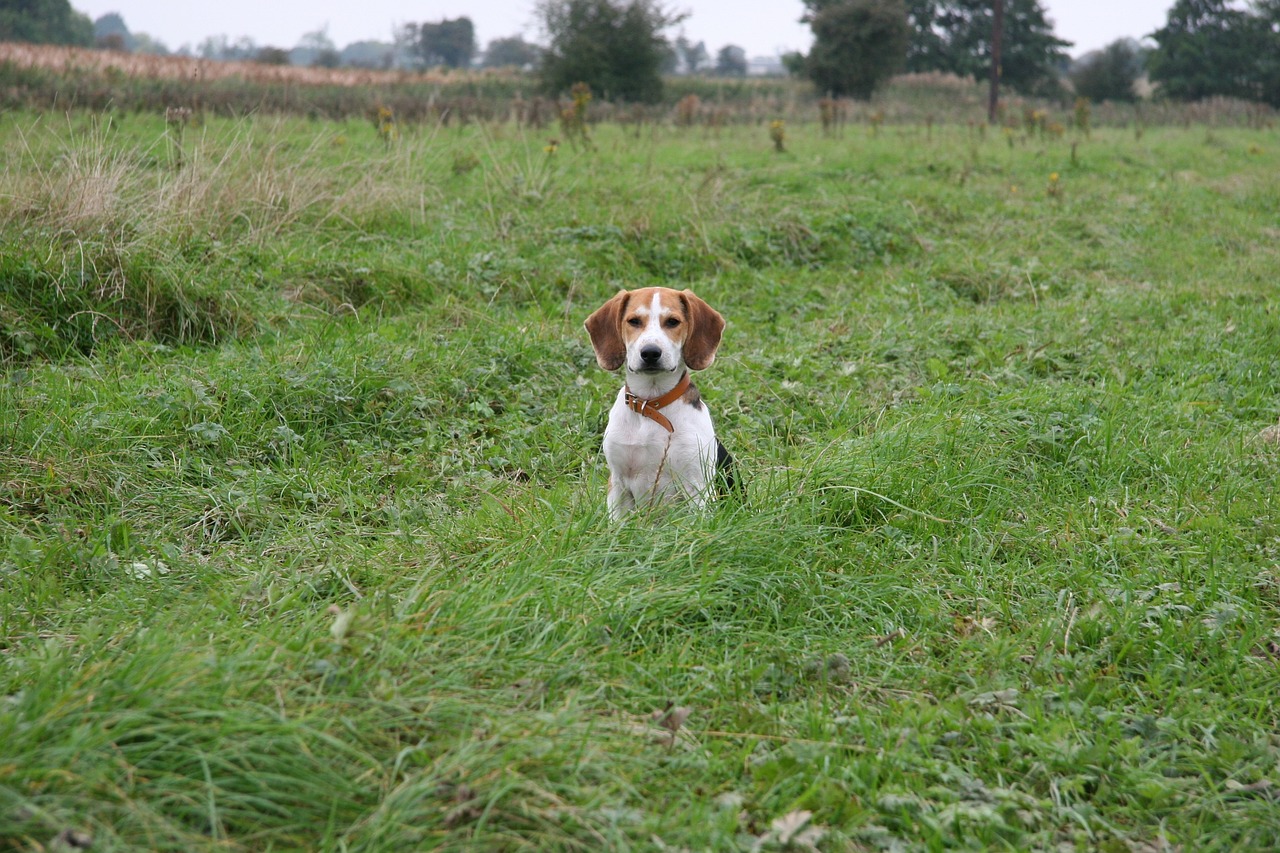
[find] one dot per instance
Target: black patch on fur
(693, 397)
(727, 481)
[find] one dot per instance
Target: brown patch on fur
(704, 337)
(605, 328)
(692, 396)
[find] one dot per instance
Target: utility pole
(997, 33)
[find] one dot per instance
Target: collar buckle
(651, 408)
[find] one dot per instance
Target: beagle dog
(659, 443)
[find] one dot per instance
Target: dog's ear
(704, 338)
(605, 328)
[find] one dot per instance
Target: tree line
(1205, 48)
(619, 47)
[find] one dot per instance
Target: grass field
(304, 540)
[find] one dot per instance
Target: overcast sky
(762, 27)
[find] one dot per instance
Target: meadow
(304, 537)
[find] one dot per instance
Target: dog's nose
(650, 355)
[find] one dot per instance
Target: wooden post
(997, 32)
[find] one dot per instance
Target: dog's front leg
(620, 500)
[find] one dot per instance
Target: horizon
(773, 30)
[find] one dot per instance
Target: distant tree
(1207, 47)
(1109, 74)
(793, 63)
(44, 22)
(317, 40)
(692, 56)
(272, 56)
(678, 49)
(143, 43)
(404, 38)
(220, 47)
(512, 52)
(316, 49)
(614, 46)
(111, 41)
(670, 58)
(857, 44)
(368, 54)
(954, 36)
(928, 48)
(731, 61)
(451, 42)
(697, 58)
(212, 47)
(1269, 60)
(110, 32)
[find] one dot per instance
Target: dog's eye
(671, 322)
(633, 321)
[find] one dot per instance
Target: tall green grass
(319, 559)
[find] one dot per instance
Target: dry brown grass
(245, 180)
(78, 59)
(936, 81)
(87, 188)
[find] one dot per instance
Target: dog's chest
(639, 447)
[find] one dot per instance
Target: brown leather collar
(649, 408)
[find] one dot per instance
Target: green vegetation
(614, 46)
(1210, 47)
(498, 95)
(857, 44)
(1111, 73)
(44, 22)
(451, 42)
(304, 541)
(954, 36)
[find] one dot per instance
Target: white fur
(647, 464)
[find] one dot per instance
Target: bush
(857, 45)
(615, 48)
(1109, 74)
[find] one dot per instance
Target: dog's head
(655, 330)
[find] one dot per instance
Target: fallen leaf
(466, 813)
(1270, 435)
(998, 700)
(792, 831)
(341, 621)
(967, 626)
(789, 825)
(141, 571)
(1264, 787)
(672, 717)
(730, 801)
(468, 807)
(1271, 649)
(71, 839)
(664, 727)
